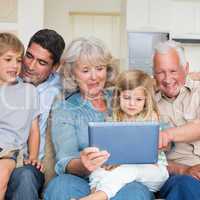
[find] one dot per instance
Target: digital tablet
(127, 142)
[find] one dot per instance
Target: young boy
(19, 108)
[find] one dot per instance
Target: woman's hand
(92, 158)
(110, 167)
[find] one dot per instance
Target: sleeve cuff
(60, 167)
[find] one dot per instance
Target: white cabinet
(137, 14)
(160, 16)
(197, 18)
(176, 16)
(148, 15)
(185, 17)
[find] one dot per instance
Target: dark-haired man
(40, 63)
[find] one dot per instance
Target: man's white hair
(165, 47)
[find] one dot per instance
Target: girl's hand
(92, 158)
(36, 163)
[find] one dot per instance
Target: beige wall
(57, 17)
(8, 11)
(123, 41)
(57, 12)
(16, 16)
(192, 53)
(22, 17)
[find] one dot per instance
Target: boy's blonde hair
(129, 80)
(9, 41)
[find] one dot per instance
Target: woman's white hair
(165, 47)
(89, 51)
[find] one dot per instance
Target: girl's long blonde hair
(129, 80)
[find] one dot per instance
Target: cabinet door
(137, 14)
(184, 16)
(197, 18)
(160, 14)
(82, 26)
(148, 15)
(108, 29)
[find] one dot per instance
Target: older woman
(88, 70)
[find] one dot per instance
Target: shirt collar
(52, 80)
(77, 99)
(189, 84)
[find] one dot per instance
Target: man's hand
(165, 138)
(36, 163)
(193, 171)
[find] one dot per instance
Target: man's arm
(188, 132)
(76, 167)
(175, 168)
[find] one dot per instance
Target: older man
(40, 63)
(179, 103)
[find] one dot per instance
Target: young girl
(18, 112)
(133, 100)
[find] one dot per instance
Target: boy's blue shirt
(47, 92)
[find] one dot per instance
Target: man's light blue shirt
(47, 91)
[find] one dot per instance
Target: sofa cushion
(49, 160)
